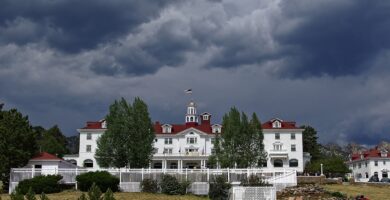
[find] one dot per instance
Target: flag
(189, 91)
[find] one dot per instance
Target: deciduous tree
(128, 140)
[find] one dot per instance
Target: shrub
(219, 189)
(149, 185)
(94, 192)
(82, 197)
(254, 181)
(16, 196)
(170, 185)
(30, 194)
(184, 186)
(102, 179)
(109, 195)
(44, 197)
(47, 184)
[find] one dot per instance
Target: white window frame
(88, 148)
(89, 136)
(293, 148)
(167, 140)
(192, 140)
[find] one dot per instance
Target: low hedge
(102, 179)
(40, 184)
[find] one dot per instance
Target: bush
(30, 195)
(149, 185)
(219, 189)
(170, 185)
(94, 192)
(254, 181)
(47, 184)
(108, 195)
(102, 179)
(44, 197)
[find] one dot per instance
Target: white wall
(285, 139)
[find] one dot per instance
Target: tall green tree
(128, 140)
(17, 142)
(310, 142)
(241, 143)
(53, 142)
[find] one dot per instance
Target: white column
(178, 164)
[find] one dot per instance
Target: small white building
(48, 163)
(369, 163)
(190, 144)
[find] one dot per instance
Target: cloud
(322, 63)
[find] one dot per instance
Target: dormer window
(166, 128)
(216, 128)
(205, 117)
(383, 153)
(104, 124)
(276, 124)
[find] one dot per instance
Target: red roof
(45, 156)
(94, 125)
(176, 128)
(285, 125)
(372, 153)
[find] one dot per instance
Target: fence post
(142, 174)
(32, 171)
(228, 172)
(208, 175)
(75, 179)
(120, 176)
(186, 173)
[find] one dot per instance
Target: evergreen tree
(30, 195)
(43, 196)
(109, 195)
(128, 140)
(17, 142)
(241, 143)
(310, 142)
(94, 192)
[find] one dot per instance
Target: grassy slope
(68, 195)
(371, 192)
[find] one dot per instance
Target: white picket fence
(130, 178)
(252, 193)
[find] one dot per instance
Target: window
(205, 117)
(155, 140)
(292, 136)
(166, 128)
(155, 150)
(354, 165)
(293, 147)
(89, 136)
(167, 150)
(276, 124)
(192, 140)
(278, 146)
(277, 136)
(88, 163)
(168, 141)
(359, 165)
(367, 175)
(278, 163)
(38, 166)
(365, 164)
(384, 174)
(293, 163)
(212, 140)
(376, 163)
(384, 162)
(213, 151)
(88, 148)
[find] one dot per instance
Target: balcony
(281, 153)
(189, 154)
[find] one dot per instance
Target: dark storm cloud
(336, 38)
(71, 25)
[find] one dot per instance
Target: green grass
(369, 191)
(73, 195)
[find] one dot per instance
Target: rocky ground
(307, 192)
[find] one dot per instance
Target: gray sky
(321, 63)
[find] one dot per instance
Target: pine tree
(17, 142)
(109, 195)
(53, 142)
(94, 192)
(43, 196)
(82, 197)
(30, 195)
(310, 142)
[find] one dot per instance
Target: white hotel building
(190, 144)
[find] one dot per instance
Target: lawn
(369, 191)
(73, 195)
